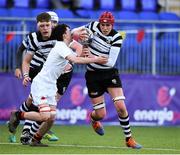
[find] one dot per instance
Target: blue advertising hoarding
(150, 100)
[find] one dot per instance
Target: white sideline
(109, 147)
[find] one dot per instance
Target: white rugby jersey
(102, 45)
(54, 66)
(39, 47)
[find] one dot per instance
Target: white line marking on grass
(103, 147)
(112, 147)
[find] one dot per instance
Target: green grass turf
(83, 140)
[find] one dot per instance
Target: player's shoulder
(32, 33)
(32, 36)
(28, 37)
(60, 45)
(93, 24)
(61, 48)
(115, 34)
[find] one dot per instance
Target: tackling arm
(81, 60)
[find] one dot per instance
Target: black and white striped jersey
(25, 41)
(39, 48)
(108, 46)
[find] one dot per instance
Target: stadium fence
(150, 47)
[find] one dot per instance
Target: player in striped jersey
(45, 43)
(105, 41)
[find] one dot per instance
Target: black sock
(124, 121)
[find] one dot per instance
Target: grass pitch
(83, 140)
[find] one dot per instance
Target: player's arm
(19, 55)
(114, 51)
(77, 47)
(81, 60)
(82, 36)
(25, 67)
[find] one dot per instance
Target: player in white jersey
(105, 41)
(37, 42)
(40, 44)
(43, 88)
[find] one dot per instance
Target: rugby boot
(12, 138)
(36, 143)
(25, 138)
(50, 136)
(13, 122)
(133, 144)
(98, 128)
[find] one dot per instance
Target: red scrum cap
(106, 17)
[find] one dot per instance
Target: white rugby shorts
(40, 90)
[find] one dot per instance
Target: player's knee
(45, 112)
(99, 106)
(120, 105)
(53, 115)
(119, 99)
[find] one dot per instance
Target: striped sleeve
(32, 43)
(117, 40)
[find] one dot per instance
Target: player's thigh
(94, 85)
(115, 92)
(97, 100)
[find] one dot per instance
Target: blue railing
(150, 47)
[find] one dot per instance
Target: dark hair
(58, 31)
(43, 17)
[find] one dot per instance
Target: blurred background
(149, 61)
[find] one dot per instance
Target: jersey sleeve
(63, 49)
(25, 42)
(32, 47)
(19, 55)
(115, 49)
